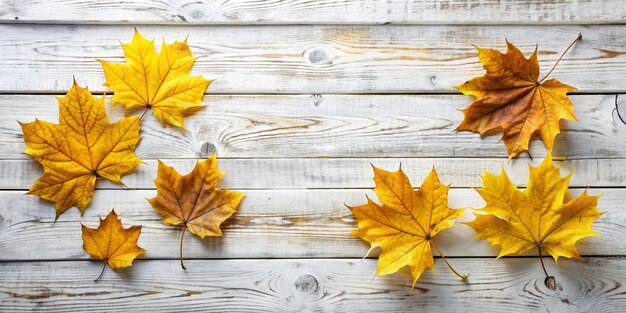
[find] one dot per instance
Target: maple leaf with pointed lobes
(406, 222)
(193, 201)
(81, 148)
(158, 82)
(511, 98)
(112, 243)
(537, 217)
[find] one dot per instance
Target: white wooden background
(307, 94)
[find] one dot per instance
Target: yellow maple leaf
(81, 148)
(537, 217)
(511, 98)
(406, 222)
(112, 243)
(158, 82)
(193, 201)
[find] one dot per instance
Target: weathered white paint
(314, 59)
(275, 147)
(296, 126)
(315, 173)
(340, 285)
(314, 12)
(269, 224)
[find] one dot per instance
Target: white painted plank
(339, 173)
(313, 59)
(511, 284)
(295, 126)
(269, 224)
(314, 12)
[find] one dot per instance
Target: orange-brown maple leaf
(193, 201)
(511, 98)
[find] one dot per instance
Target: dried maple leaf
(193, 201)
(406, 222)
(511, 98)
(112, 243)
(158, 82)
(537, 217)
(81, 148)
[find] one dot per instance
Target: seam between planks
(365, 157)
(309, 23)
(595, 256)
(315, 188)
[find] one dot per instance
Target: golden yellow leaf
(112, 243)
(406, 222)
(193, 201)
(158, 82)
(537, 217)
(81, 148)
(511, 98)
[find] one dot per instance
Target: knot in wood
(307, 284)
(317, 99)
(433, 80)
(206, 150)
(317, 56)
(197, 14)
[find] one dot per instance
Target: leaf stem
(463, 277)
(579, 37)
(542, 264)
(104, 266)
(182, 236)
(144, 113)
(550, 282)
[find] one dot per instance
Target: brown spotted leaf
(510, 98)
(193, 201)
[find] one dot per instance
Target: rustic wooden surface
(307, 95)
(313, 12)
(313, 58)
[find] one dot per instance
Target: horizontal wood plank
(313, 59)
(314, 12)
(338, 285)
(333, 173)
(301, 156)
(297, 126)
(269, 224)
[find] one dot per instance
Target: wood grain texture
(296, 126)
(513, 284)
(313, 59)
(314, 12)
(301, 156)
(336, 173)
(268, 224)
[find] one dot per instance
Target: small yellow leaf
(112, 243)
(406, 222)
(193, 201)
(158, 82)
(537, 217)
(81, 148)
